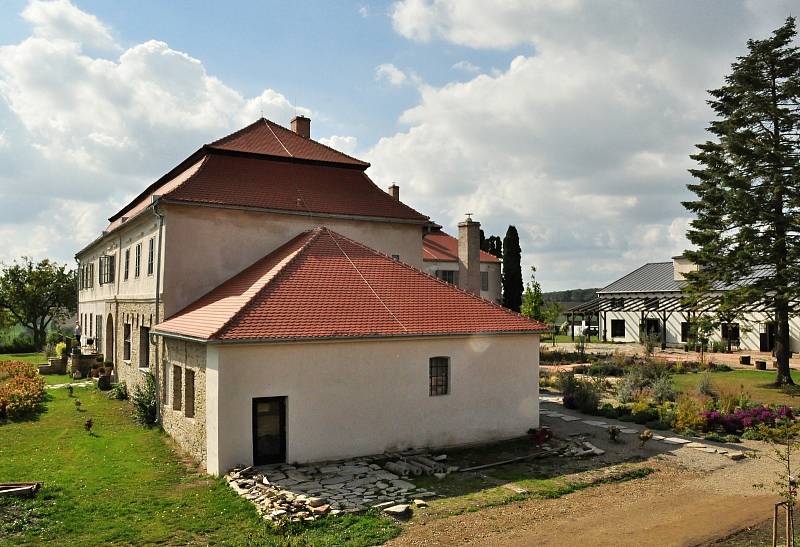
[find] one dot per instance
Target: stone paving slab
(569, 418)
(628, 431)
(595, 423)
(676, 440)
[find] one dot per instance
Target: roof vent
(302, 126)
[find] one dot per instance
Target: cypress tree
(747, 213)
(512, 270)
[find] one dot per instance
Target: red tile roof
(269, 138)
(286, 186)
(443, 247)
(324, 285)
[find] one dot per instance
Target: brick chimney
(469, 258)
(394, 191)
(302, 126)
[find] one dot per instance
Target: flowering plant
(21, 389)
(744, 418)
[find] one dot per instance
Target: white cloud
(390, 73)
(61, 20)
(466, 66)
(363, 11)
(86, 133)
(345, 144)
(583, 143)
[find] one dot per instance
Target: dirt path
(674, 506)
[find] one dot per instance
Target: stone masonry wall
(137, 315)
(187, 430)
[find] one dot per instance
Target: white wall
(346, 399)
(494, 294)
(206, 246)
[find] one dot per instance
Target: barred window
(189, 394)
(439, 375)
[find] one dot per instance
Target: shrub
(704, 386)
(144, 401)
(643, 413)
(659, 425)
(742, 419)
(752, 435)
(119, 391)
(61, 347)
(688, 414)
(663, 388)
(583, 395)
(21, 389)
(18, 344)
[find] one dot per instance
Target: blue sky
(573, 120)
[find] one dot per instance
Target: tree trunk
(38, 338)
(782, 340)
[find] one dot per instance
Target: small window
(617, 328)
(137, 260)
(150, 253)
(730, 330)
(450, 276)
(189, 395)
(484, 281)
(144, 347)
(686, 329)
(127, 262)
(126, 337)
(439, 376)
(177, 383)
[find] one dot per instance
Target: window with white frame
(137, 260)
(150, 254)
(127, 263)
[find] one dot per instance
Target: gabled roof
(652, 277)
(322, 285)
(441, 247)
(268, 138)
(293, 187)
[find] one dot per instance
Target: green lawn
(757, 383)
(35, 358)
(125, 485)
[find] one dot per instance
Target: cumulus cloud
(86, 133)
(582, 143)
(390, 73)
(466, 66)
(345, 144)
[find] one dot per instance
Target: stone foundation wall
(187, 430)
(137, 315)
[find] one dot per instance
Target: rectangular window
(617, 328)
(731, 329)
(137, 260)
(90, 276)
(144, 347)
(450, 276)
(126, 337)
(686, 331)
(189, 394)
(439, 375)
(127, 262)
(484, 281)
(150, 253)
(80, 277)
(107, 269)
(177, 383)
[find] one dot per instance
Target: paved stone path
(628, 429)
(84, 383)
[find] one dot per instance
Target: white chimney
(469, 258)
(681, 266)
(394, 191)
(302, 126)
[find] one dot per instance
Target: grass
(35, 358)
(51, 379)
(759, 384)
(126, 485)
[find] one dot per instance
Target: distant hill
(571, 296)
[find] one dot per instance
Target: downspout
(157, 364)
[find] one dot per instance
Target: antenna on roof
(469, 217)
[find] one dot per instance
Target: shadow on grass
(34, 416)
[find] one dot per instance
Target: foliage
(784, 438)
(492, 245)
(19, 344)
(35, 294)
(704, 386)
(532, 302)
(663, 388)
(145, 401)
(687, 414)
(61, 347)
(119, 391)
(512, 270)
(748, 193)
(583, 395)
(744, 418)
(21, 389)
(649, 341)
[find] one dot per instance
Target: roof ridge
(445, 283)
(234, 134)
(203, 164)
(311, 235)
(322, 144)
(277, 138)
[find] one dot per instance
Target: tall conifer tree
(512, 270)
(747, 212)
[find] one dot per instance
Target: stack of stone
(307, 492)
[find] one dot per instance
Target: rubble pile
(307, 492)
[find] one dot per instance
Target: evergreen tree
(495, 246)
(484, 243)
(747, 212)
(512, 270)
(532, 300)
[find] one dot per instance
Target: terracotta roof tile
(263, 183)
(324, 285)
(266, 137)
(443, 247)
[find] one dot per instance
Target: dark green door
(269, 430)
